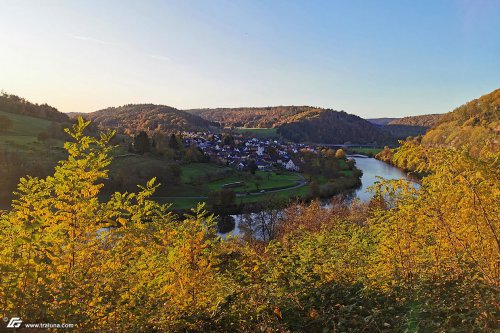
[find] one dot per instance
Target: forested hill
(401, 128)
(329, 126)
(259, 117)
(426, 120)
(301, 123)
(133, 118)
(476, 124)
(381, 121)
(18, 105)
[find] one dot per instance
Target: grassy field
(26, 154)
(261, 181)
(249, 192)
(199, 179)
(133, 161)
(365, 150)
(180, 203)
(25, 125)
(262, 133)
(22, 139)
(287, 194)
(194, 170)
(186, 203)
(252, 185)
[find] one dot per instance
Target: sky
(373, 58)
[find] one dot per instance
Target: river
(371, 168)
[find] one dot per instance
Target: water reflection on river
(371, 168)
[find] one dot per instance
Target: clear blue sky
(367, 57)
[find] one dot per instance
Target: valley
(196, 154)
(250, 166)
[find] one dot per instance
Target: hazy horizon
(395, 60)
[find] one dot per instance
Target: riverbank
(372, 169)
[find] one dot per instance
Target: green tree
(228, 140)
(223, 198)
(252, 166)
(5, 123)
(173, 143)
(314, 190)
(142, 143)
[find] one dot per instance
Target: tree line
(18, 105)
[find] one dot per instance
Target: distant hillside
(259, 117)
(329, 126)
(18, 105)
(401, 128)
(381, 121)
(74, 115)
(301, 123)
(133, 118)
(426, 120)
(401, 132)
(476, 123)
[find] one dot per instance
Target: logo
(15, 322)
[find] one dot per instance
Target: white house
(291, 166)
(260, 150)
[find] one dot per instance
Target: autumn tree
(443, 238)
(193, 154)
(340, 154)
(329, 153)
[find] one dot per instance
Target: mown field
(276, 185)
(23, 133)
(21, 153)
(186, 203)
(22, 139)
(196, 185)
(370, 151)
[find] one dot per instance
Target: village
(243, 153)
